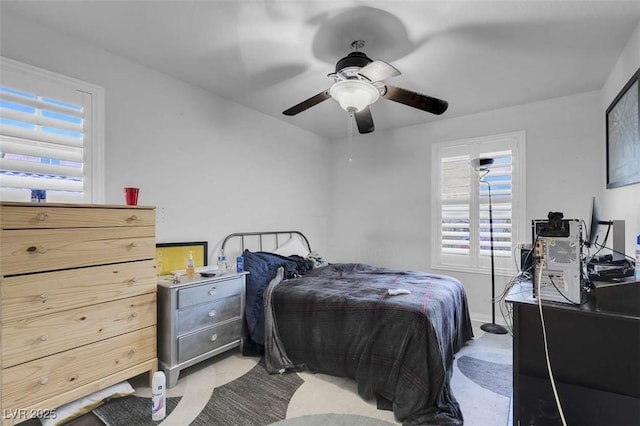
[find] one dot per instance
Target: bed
(348, 320)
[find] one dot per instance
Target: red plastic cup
(131, 196)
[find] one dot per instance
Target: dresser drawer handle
(44, 380)
(42, 217)
(44, 296)
(212, 313)
(34, 249)
(132, 218)
(212, 292)
(133, 351)
(134, 315)
(213, 337)
(132, 245)
(44, 338)
(132, 281)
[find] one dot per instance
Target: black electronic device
(604, 268)
(555, 226)
(594, 223)
(616, 227)
(526, 258)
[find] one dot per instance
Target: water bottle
(158, 397)
(637, 269)
(222, 263)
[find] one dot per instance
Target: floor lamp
(482, 165)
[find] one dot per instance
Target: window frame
(516, 141)
(94, 150)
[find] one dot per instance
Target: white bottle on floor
(158, 396)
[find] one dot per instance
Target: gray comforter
(342, 320)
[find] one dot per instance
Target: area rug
(256, 398)
(490, 375)
(132, 410)
(482, 380)
(481, 383)
(332, 420)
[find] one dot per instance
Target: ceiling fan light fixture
(354, 95)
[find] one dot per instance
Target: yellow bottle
(191, 270)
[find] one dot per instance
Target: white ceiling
(270, 55)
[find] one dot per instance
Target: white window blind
(49, 136)
(460, 214)
(455, 191)
(499, 181)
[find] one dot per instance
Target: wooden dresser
(78, 308)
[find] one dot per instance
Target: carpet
(256, 398)
(481, 383)
(332, 420)
(131, 410)
(490, 375)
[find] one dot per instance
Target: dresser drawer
(205, 315)
(40, 217)
(43, 378)
(39, 294)
(208, 339)
(209, 291)
(36, 337)
(25, 251)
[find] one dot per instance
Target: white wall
(622, 203)
(214, 167)
(381, 200)
(211, 166)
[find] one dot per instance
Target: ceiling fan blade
(378, 70)
(364, 120)
(416, 100)
(314, 100)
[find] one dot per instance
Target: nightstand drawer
(208, 339)
(209, 291)
(206, 315)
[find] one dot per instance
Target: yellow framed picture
(173, 256)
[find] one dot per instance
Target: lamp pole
(492, 327)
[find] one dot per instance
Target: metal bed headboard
(260, 235)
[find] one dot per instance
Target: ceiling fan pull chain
(350, 119)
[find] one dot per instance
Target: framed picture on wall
(623, 136)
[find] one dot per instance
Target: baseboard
(483, 318)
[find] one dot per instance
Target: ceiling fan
(358, 83)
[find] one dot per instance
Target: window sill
(483, 271)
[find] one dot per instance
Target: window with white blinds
(460, 203)
(50, 135)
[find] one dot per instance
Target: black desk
(595, 359)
